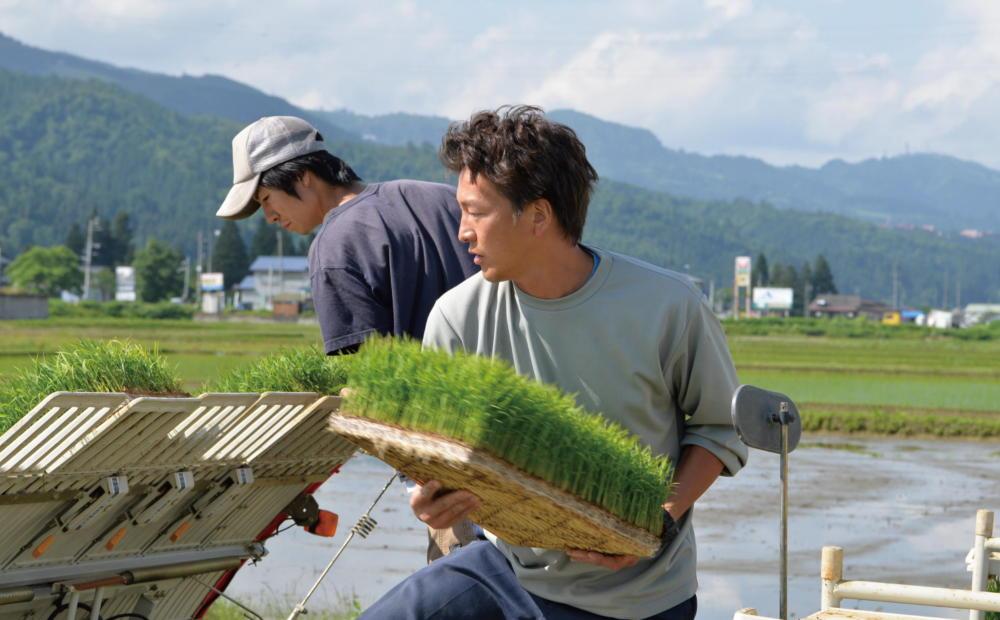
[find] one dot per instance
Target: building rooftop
(283, 263)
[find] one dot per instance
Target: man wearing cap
(384, 252)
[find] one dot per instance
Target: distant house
(848, 306)
(21, 306)
(274, 276)
(975, 314)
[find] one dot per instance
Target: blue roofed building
(286, 277)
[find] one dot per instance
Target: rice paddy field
(908, 386)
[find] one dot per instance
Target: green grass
(485, 404)
(294, 370)
(88, 366)
(901, 424)
(928, 392)
(920, 371)
(859, 328)
(199, 351)
(348, 608)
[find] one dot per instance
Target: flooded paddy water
(902, 509)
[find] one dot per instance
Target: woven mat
(517, 507)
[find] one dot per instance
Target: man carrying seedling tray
(634, 342)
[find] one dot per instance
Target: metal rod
(227, 597)
(74, 602)
(783, 607)
(95, 607)
(301, 607)
(918, 595)
(980, 557)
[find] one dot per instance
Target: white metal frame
(80, 471)
(983, 560)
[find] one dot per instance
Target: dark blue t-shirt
(381, 260)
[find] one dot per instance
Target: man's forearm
(696, 472)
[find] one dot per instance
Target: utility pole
(895, 286)
(187, 275)
(944, 291)
(958, 290)
(197, 280)
(88, 255)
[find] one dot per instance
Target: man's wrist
(670, 528)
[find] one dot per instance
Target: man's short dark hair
(527, 157)
(326, 166)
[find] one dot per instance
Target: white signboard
(765, 298)
(124, 283)
(211, 282)
(742, 271)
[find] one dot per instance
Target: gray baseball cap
(260, 146)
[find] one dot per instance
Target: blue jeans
(478, 582)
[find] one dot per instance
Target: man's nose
(269, 215)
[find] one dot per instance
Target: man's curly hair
(527, 157)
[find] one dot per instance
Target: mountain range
(906, 190)
(70, 146)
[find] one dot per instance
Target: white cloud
(730, 9)
(847, 107)
(634, 75)
(717, 76)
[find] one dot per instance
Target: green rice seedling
(87, 366)
(304, 369)
(484, 404)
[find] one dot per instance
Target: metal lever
(362, 528)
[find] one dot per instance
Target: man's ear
(307, 179)
(542, 217)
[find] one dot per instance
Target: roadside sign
(124, 283)
(765, 298)
(212, 282)
(742, 271)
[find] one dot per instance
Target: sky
(789, 81)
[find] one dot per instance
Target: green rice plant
(87, 366)
(303, 369)
(484, 404)
(878, 422)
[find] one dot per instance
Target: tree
(158, 271)
(264, 241)
(803, 292)
(122, 249)
(759, 275)
(46, 271)
(822, 277)
(230, 255)
(783, 276)
(75, 239)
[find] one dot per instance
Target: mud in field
(902, 510)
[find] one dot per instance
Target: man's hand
(612, 562)
(440, 512)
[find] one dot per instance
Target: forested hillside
(71, 147)
(211, 95)
(918, 189)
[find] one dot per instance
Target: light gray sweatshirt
(637, 344)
